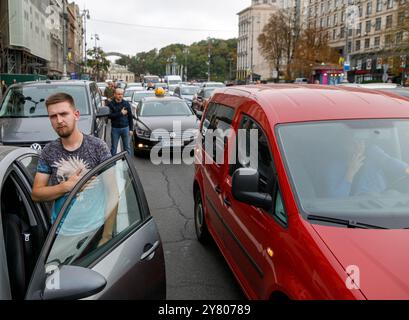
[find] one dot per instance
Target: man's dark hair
(60, 97)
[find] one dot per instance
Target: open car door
(104, 243)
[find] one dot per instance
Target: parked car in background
(172, 88)
(130, 91)
(291, 220)
(134, 84)
(155, 120)
(102, 86)
(163, 85)
(213, 85)
(200, 99)
(32, 249)
(173, 80)
(138, 96)
(187, 93)
(24, 118)
(301, 81)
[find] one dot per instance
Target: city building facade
(25, 39)
(251, 65)
(75, 32)
(117, 72)
(365, 33)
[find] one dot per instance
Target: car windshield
(138, 96)
(215, 85)
(208, 93)
(189, 91)
(29, 102)
(165, 108)
(350, 170)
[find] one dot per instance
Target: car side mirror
(73, 283)
(103, 112)
(245, 188)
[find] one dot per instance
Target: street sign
(347, 67)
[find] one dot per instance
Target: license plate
(169, 143)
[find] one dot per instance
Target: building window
(389, 21)
(377, 41)
(369, 8)
(342, 32)
(390, 4)
(342, 16)
(378, 24)
(334, 34)
(379, 5)
(368, 26)
(367, 43)
(359, 29)
(399, 37)
(360, 11)
(335, 19)
(401, 18)
(349, 49)
(358, 45)
(388, 40)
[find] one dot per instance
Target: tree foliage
(223, 56)
(293, 49)
(98, 62)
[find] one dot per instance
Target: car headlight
(143, 133)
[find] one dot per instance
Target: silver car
(24, 119)
(39, 261)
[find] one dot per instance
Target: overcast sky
(217, 19)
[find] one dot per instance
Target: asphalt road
(194, 272)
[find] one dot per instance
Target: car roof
(286, 103)
(166, 98)
(53, 82)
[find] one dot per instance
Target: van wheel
(202, 232)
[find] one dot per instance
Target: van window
(215, 129)
(265, 160)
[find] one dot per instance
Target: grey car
(34, 263)
(23, 114)
(164, 122)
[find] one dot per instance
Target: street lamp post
(209, 59)
(186, 52)
(65, 16)
(86, 16)
(96, 56)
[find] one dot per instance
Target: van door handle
(149, 250)
(218, 190)
(227, 202)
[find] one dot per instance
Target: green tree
(98, 63)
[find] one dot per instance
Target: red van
(322, 211)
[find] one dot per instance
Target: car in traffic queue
(187, 93)
(137, 98)
(128, 94)
(164, 122)
(34, 267)
(23, 114)
(319, 209)
(211, 84)
(200, 99)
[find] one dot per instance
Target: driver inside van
(363, 168)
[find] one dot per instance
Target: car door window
(216, 126)
(107, 208)
(265, 164)
(30, 165)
